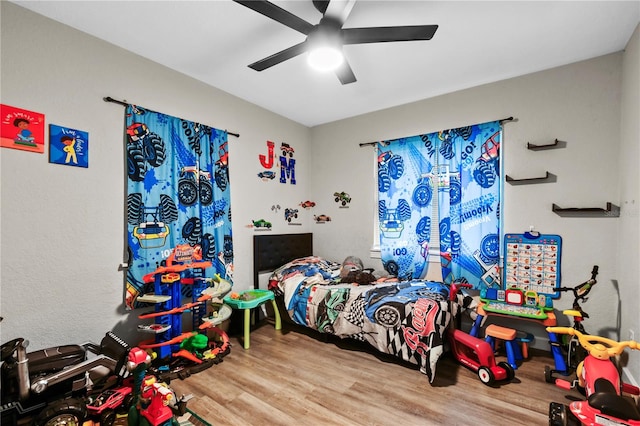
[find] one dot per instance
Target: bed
(406, 319)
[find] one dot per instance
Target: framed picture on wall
(69, 147)
(21, 129)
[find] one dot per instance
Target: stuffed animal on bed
(352, 271)
(363, 277)
(350, 264)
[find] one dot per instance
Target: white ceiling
(477, 42)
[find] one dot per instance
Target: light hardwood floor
(293, 377)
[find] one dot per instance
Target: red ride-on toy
(474, 353)
(600, 380)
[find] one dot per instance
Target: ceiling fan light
(325, 58)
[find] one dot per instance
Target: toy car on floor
(104, 406)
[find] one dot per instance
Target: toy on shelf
(568, 353)
(474, 353)
(599, 377)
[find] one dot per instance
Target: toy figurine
(154, 402)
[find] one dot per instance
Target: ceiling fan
(329, 31)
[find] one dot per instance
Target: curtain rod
(375, 143)
(123, 103)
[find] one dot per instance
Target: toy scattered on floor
(474, 353)
(599, 379)
(568, 353)
(153, 402)
(178, 353)
(195, 344)
(48, 386)
(109, 402)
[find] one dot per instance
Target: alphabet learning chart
(532, 262)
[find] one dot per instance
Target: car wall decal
(290, 215)
(267, 175)
(260, 225)
(342, 198)
(322, 218)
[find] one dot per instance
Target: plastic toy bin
(256, 298)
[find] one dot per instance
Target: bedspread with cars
(407, 319)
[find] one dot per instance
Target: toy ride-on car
(474, 353)
(49, 386)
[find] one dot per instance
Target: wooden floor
(293, 377)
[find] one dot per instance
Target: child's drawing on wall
(21, 129)
(68, 146)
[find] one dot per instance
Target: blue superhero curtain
(177, 193)
(440, 194)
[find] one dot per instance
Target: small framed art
(21, 129)
(68, 146)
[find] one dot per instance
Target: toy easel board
(532, 262)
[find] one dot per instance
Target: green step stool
(255, 298)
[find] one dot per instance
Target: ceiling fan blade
(345, 73)
(339, 9)
(278, 14)
(279, 57)
(385, 34)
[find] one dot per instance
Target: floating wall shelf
(547, 178)
(553, 145)
(610, 211)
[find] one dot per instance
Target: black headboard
(272, 251)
